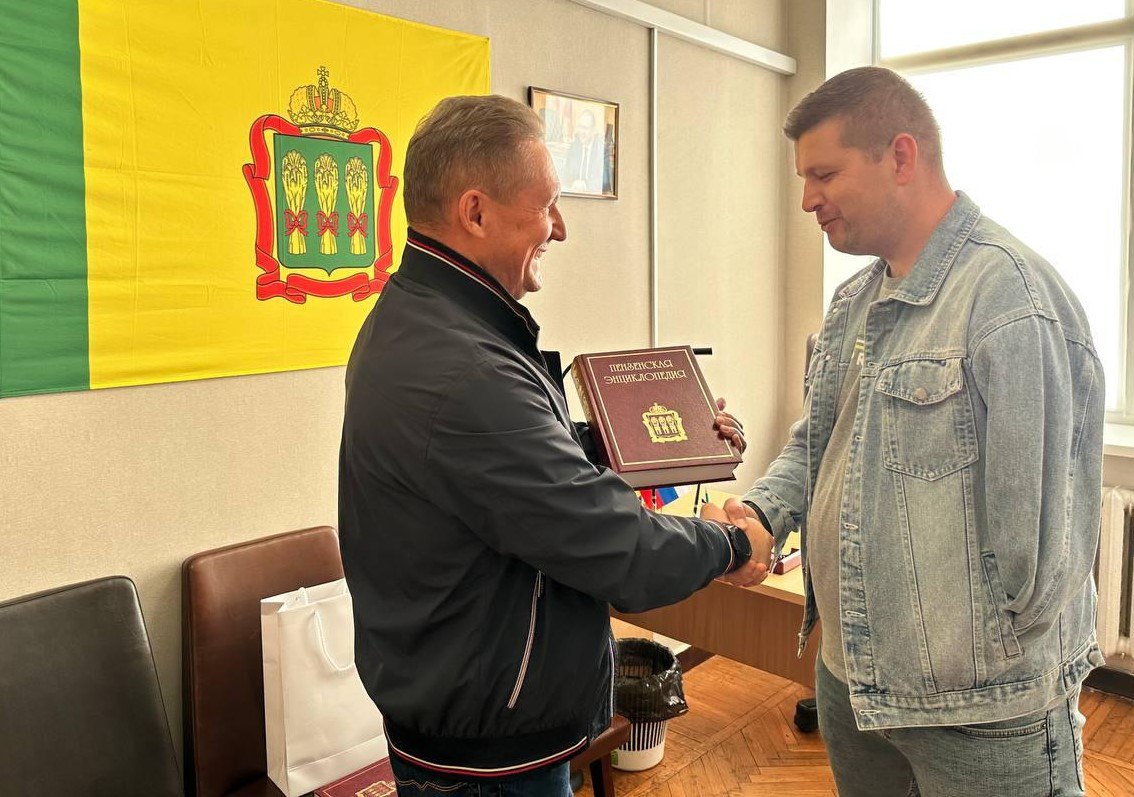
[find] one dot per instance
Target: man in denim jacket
(945, 473)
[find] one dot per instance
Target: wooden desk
(758, 626)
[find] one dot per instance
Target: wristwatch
(741, 547)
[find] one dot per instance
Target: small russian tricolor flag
(665, 495)
(659, 497)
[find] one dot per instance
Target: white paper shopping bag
(319, 721)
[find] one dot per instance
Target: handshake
(742, 516)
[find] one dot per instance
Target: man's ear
(904, 149)
(471, 207)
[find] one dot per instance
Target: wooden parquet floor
(738, 739)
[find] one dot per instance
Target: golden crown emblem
(663, 424)
(318, 109)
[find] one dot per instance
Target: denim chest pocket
(927, 421)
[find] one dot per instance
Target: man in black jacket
(481, 546)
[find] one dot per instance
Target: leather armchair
(222, 663)
(80, 706)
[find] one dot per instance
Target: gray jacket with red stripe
(481, 546)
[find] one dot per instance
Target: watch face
(740, 541)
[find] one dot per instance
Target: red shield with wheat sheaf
(333, 195)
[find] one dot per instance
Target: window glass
(908, 26)
(1038, 144)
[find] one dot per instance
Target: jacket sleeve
(780, 492)
(499, 459)
(1045, 399)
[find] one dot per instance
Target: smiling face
(523, 225)
(851, 194)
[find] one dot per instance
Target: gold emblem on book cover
(382, 788)
(663, 424)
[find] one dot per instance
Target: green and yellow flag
(193, 190)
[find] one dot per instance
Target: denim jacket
(971, 502)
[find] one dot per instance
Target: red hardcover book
(651, 414)
(376, 780)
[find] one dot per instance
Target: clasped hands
(742, 516)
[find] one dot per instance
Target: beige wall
(134, 480)
(720, 272)
(803, 241)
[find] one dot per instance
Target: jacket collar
(430, 262)
(933, 264)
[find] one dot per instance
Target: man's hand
(729, 428)
(743, 517)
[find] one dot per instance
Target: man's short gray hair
(467, 142)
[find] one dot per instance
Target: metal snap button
(921, 394)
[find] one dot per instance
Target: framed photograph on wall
(582, 135)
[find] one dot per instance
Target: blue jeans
(413, 781)
(1036, 755)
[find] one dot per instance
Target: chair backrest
(80, 706)
(222, 664)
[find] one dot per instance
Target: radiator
(1113, 572)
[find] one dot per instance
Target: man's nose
(812, 199)
(558, 226)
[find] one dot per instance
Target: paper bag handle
(323, 646)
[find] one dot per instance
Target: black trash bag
(647, 682)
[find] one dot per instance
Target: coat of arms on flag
(329, 212)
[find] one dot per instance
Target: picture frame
(581, 133)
